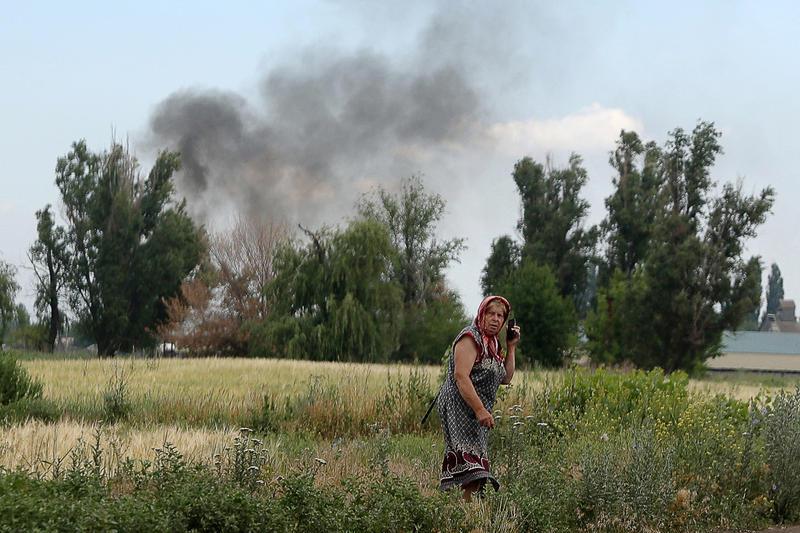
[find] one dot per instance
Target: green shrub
(27, 408)
(534, 291)
(545, 491)
(405, 401)
(391, 503)
(15, 383)
(615, 451)
(616, 400)
(21, 395)
(429, 328)
(780, 427)
(171, 494)
(627, 476)
(116, 404)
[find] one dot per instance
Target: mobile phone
(510, 333)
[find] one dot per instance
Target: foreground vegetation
(244, 445)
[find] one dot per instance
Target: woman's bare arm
(465, 353)
(510, 365)
(509, 362)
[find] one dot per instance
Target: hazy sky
(294, 109)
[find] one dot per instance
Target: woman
(475, 371)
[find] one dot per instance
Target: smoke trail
(321, 131)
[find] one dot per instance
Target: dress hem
(447, 484)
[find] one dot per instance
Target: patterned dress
(465, 455)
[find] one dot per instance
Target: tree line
(654, 284)
(663, 275)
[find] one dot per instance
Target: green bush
(15, 383)
(614, 451)
(21, 395)
(627, 476)
(534, 293)
(238, 493)
(428, 329)
(545, 491)
(116, 404)
(602, 401)
(35, 408)
(779, 422)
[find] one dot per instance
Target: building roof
(788, 327)
(767, 342)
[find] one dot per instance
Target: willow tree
(432, 311)
(332, 297)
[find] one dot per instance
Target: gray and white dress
(465, 455)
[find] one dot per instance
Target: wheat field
(234, 382)
(197, 405)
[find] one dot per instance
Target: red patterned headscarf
(491, 342)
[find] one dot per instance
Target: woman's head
(492, 314)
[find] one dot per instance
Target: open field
(229, 392)
(221, 392)
(232, 383)
(35, 446)
(574, 450)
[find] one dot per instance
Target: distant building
(764, 351)
(784, 320)
(64, 344)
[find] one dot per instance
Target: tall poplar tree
(693, 282)
(552, 222)
(503, 260)
(632, 207)
(49, 259)
(8, 291)
(130, 242)
(774, 289)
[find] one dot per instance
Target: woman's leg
(472, 487)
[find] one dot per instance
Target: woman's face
(493, 318)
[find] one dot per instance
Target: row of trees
(373, 290)
(655, 283)
(672, 276)
(131, 269)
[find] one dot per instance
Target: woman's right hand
(485, 418)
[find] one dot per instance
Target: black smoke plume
(322, 131)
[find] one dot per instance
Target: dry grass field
(232, 384)
(202, 391)
(198, 405)
(341, 421)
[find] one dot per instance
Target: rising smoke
(322, 131)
